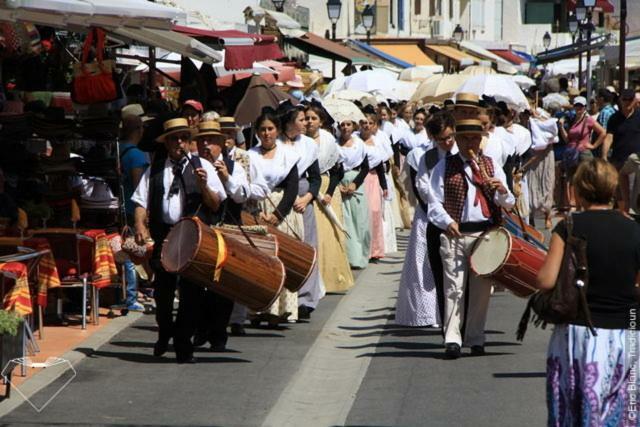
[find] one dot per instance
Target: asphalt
(351, 365)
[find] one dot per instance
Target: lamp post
(589, 4)
(546, 41)
(334, 8)
(367, 21)
(573, 27)
(278, 4)
(623, 39)
(458, 34)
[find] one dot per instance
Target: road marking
(324, 389)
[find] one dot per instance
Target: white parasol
(419, 73)
(438, 87)
(340, 110)
(477, 70)
(371, 80)
(328, 210)
(554, 101)
(501, 87)
(523, 81)
(354, 95)
(400, 90)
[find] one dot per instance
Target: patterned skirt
(593, 380)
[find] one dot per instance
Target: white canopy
(85, 13)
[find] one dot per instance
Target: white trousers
(455, 254)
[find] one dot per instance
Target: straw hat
(175, 126)
(208, 128)
(228, 123)
(469, 127)
(467, 100)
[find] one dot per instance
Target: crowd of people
(449, 172)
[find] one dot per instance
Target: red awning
(241, 49)
(508, 55)
(604, 5)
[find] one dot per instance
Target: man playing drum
(176, 184)
(467, 193)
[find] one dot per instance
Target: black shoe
(237, 330)
(373, 260)
(477, 350)
(160, 348)
(218, 346)
(185, 359)
(304, 312)
(451, 350)
(199, 340)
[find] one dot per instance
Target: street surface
(351, 365)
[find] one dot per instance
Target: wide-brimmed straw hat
(228, 123)
(175, 126)
(208, 128)
(467, 100)
(469, 127)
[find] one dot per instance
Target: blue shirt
(605, 115)
(133, 158)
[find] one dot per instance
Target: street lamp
(581, 11)
(334, 8)
(367, 21)
(573, 27)
(546, 40)
(278, 4)
(458, 34)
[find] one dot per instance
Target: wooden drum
(248, 276)
(298, 257)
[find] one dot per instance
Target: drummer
(467, 195)
(240, 185)
(176, 185)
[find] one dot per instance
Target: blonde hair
(596, 181)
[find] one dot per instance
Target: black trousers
(181, 330)
(214, 312)
(433, 249)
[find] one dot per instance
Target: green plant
(9, 323)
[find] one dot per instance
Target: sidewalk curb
(42, 379)
(325, 386)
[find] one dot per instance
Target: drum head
(181, 245)
(490, 253)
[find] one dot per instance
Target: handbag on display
(93, 82)
(567, 301)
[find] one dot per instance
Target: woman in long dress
(417, 303)
(278, 164)
(390, 201)
(375, 186)
(332, 256)
(355, 209)
(293, 122)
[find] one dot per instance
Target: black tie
(177, 176)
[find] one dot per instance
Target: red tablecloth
(18, 298)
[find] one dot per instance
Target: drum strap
(222, 256)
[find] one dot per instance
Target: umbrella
(554, 101)
(259, 94)
(400, 90)
(476, 70)
(354, 95)
(501, 87)
(438, 87)
(340, 109)
(370, 80)
(419, 73)
(523, 81)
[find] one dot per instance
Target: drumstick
(275, 209)
(481, 237)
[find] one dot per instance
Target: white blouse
(382, 140)
(352, 156)
(275, 170)
(307, 151)
(328, 153)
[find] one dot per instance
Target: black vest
(232, 210)
(188, 186)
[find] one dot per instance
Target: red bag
(93, 82)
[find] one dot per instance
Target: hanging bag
(93, 81)
(567, 301)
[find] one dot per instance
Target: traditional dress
(391, 205)
(354, 207)
(278, 172)
(332, 256)
(541, 176)
(417, 303)
(309, 182)
(374, 184)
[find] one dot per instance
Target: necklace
(266, 150)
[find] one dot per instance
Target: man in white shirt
(467, 191)
(174, 186)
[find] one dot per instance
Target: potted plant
(11, 339)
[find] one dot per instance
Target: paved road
(350, 366)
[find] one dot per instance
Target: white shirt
(307, 151)
(258, 187)
(382, 140)
(423, 176)
(328, 153)
(353, 156)
(172, 207)
(543, 133)
(275, 170)
(522, 138)
(492, 146)
(470, 213)
(507, 140)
